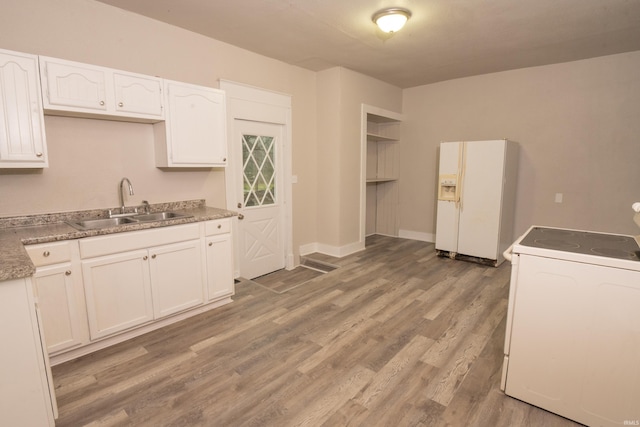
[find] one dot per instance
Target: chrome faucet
(122, 192)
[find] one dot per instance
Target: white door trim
(246, 102)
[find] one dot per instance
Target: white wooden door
(176, 277)
(261, 228)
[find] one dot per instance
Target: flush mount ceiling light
(391, 19)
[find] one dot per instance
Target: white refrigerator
(476, 199)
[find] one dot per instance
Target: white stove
(613, 250)
(572, 342)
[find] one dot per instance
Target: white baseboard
(334, 251)
(417, 235)
(340, 251)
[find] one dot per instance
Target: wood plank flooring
(282, 281)
(393, 337)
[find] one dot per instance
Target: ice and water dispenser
(448, 187)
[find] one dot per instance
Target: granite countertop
(15, 232)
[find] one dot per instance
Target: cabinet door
(219, 266)
(176, 277)
(64, 320)
(22, 137)
(26, 388)
(118, 292)
(73, 86)
(136, 94)
(195, 126)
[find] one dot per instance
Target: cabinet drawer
(218, 226)
(122, 242)
(49, 253)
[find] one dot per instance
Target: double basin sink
(98, 223)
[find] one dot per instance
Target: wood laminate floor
(393, 337)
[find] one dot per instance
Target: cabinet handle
(101, 102)
(144, 258)
(120, 104)
(46, 253)
(153, 256)
(67, 273)
(210, 243)
(38, 154)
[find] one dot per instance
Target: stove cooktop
(583, 242)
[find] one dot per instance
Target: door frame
(249, 103)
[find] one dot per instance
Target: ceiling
(443, 40)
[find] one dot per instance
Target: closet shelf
(372, 137)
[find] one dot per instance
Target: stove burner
(614, 253)
(607, 237)
(556, 232)
(557, 244)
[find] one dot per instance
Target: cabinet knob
(219, 226)
(153, 256)
(120, 104)
(101, 102)
(240, 216)
(67, 273)
(210, 243)
(144, 258)
(46, 253)
(38, 154)
(224, 159)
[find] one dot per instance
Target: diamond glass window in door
(259, 170)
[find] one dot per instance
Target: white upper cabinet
(137, 95)
(76, 89)
(22, 136)
(194, 134)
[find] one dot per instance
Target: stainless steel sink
(159, 216)
(94, 224)
(98, 223)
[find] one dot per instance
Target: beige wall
(341, 93)
(577, 124)
(89, 157)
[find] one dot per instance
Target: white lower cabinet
(219, 267)
(135, 278)
(26, 384)
(97, 291)
(177, 281)
(130, 289)
(118, 292)
(62, 309)
(60, 295)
